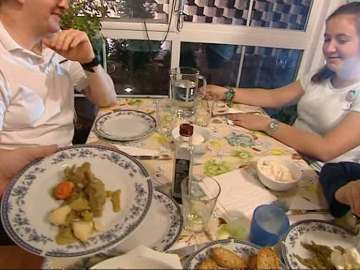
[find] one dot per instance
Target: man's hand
(72, 44)
(12, 161)
(250, 121)
(349, 194)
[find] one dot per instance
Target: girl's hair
(347, 9)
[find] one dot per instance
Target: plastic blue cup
(268, 224)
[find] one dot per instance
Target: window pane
(288, 14)
(139, 67)
(138, 9)
(269, 67)
(219, 63)
(216, 11)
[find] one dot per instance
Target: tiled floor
(13, 257)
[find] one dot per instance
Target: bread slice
(267, 259)
(228, 259)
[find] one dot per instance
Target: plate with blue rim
(164, 221)
(159, 231)
(241, 248)
(320, 232)
(125, 125)
(27, 200)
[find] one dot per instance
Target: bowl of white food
(278, 173)
(199, 139)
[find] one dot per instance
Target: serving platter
(320, 232)
(27, 200)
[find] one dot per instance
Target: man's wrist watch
(272, 127)
(229, 96)
(90, 65)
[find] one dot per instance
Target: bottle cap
(186, 130)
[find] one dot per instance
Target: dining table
(230, 148)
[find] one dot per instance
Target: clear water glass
(199, 199)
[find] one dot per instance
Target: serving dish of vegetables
(79, 201)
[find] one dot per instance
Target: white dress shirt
(36, 95)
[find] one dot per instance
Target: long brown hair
(348, 9)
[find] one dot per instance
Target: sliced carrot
(64, 190)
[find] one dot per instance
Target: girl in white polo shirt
(328, 123)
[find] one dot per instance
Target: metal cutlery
(293, 212)
(154, 157)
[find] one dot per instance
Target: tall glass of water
(184, 87)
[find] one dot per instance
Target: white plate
(241, 248)
(27, 201)
(321, 232)
(125, 125)
(160, 228)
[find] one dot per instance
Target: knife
(187, 251)
(293, 212)
(155, 157)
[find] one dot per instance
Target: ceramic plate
(160, 228)
(125, 125)
(321, 232)
(27, 202)
(241, 248)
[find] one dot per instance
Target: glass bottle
(182, 160)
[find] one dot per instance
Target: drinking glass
(269, 223)
(203, 112)
(198, 199)
(165, 117)
(184, 87)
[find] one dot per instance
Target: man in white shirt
(39, 68)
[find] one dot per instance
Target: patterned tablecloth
(230, 147)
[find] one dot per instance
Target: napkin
(241, 192)
(136, 151)
(141, 257)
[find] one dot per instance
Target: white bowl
(278, 179)
(200, 136)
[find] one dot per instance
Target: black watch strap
(90, 65)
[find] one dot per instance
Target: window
(263, 43)
(139, 67)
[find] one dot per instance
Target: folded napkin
(136, 151)
(141, 258)
(241, 193)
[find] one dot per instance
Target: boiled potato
(58, 216)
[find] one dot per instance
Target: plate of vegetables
(76, 202)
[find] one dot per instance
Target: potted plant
(86, 16)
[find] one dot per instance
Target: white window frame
(309, 41)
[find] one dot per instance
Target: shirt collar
(11, 45)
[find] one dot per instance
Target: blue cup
(268, 224)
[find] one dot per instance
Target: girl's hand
(72, 44)
(250, 121)
(349, 194)
(214, 92)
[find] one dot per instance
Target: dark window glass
(269, 67)
(139, 67)
(219, 63)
